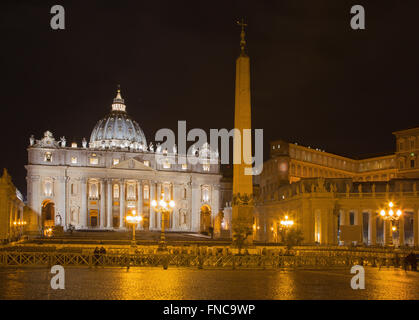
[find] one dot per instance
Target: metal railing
(27, 259)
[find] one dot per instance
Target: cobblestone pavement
(183, 283)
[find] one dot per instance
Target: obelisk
(242, 205)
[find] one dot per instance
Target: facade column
(152, 186)
(83, 194)
(34, 200)
(122, 204)
(61, 200)
(67, 218)
(158, 196)
(102, 213)
(195, 213)
(401, 231)
(215, 203)
(372, 229)
(109, 211)
(140, 202)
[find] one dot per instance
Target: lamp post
(164, 208)
(133, 219)
(286, 224)
(390, 216)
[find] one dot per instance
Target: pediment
(132, 164)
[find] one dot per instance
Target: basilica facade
(96, 185)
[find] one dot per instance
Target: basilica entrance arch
(205, 218)
(48, 214)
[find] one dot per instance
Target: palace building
(321, 192)
(95, 185)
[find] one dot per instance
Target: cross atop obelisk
(242, 35)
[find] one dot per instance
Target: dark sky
(315, 81)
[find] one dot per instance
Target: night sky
(315, 81)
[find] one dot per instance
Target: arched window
(205, 193)
(131, 192)
(93, 190)
(48, 188)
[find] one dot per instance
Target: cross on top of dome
(118, 102)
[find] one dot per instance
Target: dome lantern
(118, 129)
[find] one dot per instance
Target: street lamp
(287, 223)
(390, 216)
(133, 219)
(164, 208)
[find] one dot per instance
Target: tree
(241, 230)
(292, 238)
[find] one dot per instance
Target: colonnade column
(152, 185)
(140, 202)
(102, 213)
(83, 212)
(360, 222)
(122, 204)
(388, 233)
(416, 227)
(401, 231)
(372, 229)
(109, 212)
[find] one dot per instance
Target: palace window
(184, 166)
(73, 160)
(115, 161)
(74, 144)
(48, 157)
(401, 164)
(147, 163)
(412, 163)
(146, 192)
(400, 145)
(116, 191)
(412, 144)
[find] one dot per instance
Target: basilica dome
(118, 129)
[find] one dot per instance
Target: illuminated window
(48, 157)
(146, 192)
(206, 167)
(93, 190)
(115, 161)
(94, 159)
(184, 166)
(73, 160)
(147, 163)
(74, 144)
(131, 192)
(166, 164)
(116, 191)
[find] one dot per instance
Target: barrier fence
(26, 259)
